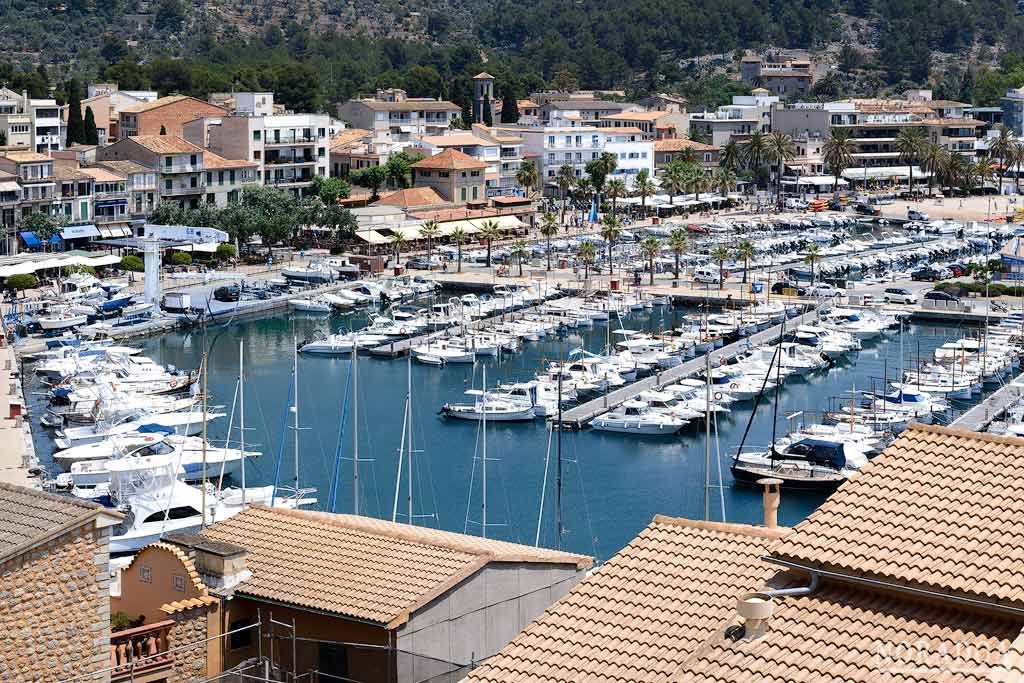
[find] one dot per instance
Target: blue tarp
(55, 239)
(152, 428)
(30, 239)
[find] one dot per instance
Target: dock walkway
(992, 408)
(583, 413)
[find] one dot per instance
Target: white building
(632, 153)
(49, 131)
(746, 114)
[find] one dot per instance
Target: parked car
(796, 203)
(708, 276)
(939, 295)
(958, 269)
(228, 293)
(782, 285)
(417, 264)
(926, 275)
(899, 295)
(866, 209)
(916, 215)
(825, 290)
(836, 204)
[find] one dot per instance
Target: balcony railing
(290, 140)
(181, 168)
(140, 650)
(281, 161)
(182, 188)
(289, 180)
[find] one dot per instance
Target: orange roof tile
(679, 144)
(641, 614)
(848, 635)
(26, 157)
(412, 196)
(163, 102)
(348, 137)
(361, 567)
(636, 116)
(102, 175)
(165, 144)
(450, 160)
(941, 509)
(212, 162)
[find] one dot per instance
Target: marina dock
(992, 408)
(576, 417)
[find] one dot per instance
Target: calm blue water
(612, 484)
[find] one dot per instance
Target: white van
(705, 275)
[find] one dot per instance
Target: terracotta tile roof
(679, 144)
(412, 196)
(622, 130)
(636, 116)
(348, 137)
(64, 172)
(456, 140)
(410, 105)
(124, 166)
(450, 160)
(163, 102)
(941, 509)
(526, 104)
(26, 157)
(28, 516)
(212, 162)
(102, 175)
(641, 614)
(848, 635)
(360, 567)
(166, 144)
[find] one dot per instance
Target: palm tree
(520, 249)
(931, 159)
(650, 248)
(459, 237)
(428, 231)
(1016, 158)
(616, 188)
(745, 250)
(565, 180)
(397, 242)
(780, 149)
(981, 172)
(644, 188)
(731, 156)
(678, 242)
(611, 228)
(527, 177)
(674, 179)
(725, 180)
(697, 180)
(812, 257)
(548, 229)
(1001, 148)
(837, 153)
(720, 255)
(754, 150)
(910, 143)
(489, 231)
(584, 191)
(587, 253)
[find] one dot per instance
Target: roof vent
(770, 501)
(756, 609)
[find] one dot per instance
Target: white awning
(10, 186)
(372, 237)
(202, 247)
(107, 231)
(449, 227)
(819, 180)
(882, 173)
(74, 232)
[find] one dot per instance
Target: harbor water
(612, 484)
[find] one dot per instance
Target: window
(231, 177)
(462, 193)
(145, 574)
(551, 157)
(568, 141)
(551, 173)
(211, 198)
(178, 582)
(643, 155)
(321, 132)
(242, 639)
(462, 174)
(475, 192)
(320, 152)
(182, 512)
(579, 140)
(193, 181)
(84, 209)
(579, 156)
(551, 141)
(193, 159)
(593, 155)
(256, 135)
(220, 178)
(209, 177)
(595, 141)
(167, 185)
(168, 161)
(256, 155)
(475, 174)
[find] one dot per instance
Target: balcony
(290, 180)
(178, 189)
(181, 168)
(289, 160)
(141, 652)
(271, 141)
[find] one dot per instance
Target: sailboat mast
(241, 411)
(355, 427)
(558, 476)
(483, 412)
(295, 411)
(707, 436)
(408, 439)
(206, 374)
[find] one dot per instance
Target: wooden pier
(992, 408)
(576, 417)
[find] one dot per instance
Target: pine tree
(76, 129)
(92, 136)
(509, 108)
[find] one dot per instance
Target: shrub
(22, 281)
(227, 251)
(180, 258)
(88, 270)
(133, 263)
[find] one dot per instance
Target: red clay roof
(450, 160)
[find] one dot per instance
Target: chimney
(755, 609)
(221, 566)
(770, 500)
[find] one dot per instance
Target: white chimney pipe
(755, 609)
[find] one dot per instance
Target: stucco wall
(55, 609)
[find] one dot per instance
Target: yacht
(316, 305)
(316, 272)
(494, 408)
(447, 351)
(185, 423)
(636, 417)
(806, 464)
(341, 344)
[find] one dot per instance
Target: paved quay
(17, 455)
(992, 408)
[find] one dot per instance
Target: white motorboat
(61, 320)
(635, 417)
(189, 450)
(444, 350)
(188, 423)
(316, 272)
(310, 305)
(495, 409)
(342, 344)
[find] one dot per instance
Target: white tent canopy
(30, 263)
(883, 173)
(818, 180)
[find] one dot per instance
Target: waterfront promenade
(16, 452)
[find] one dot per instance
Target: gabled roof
(166, 144)
(26, 157)
(455, 140)
(29, 517)
(842, 634)
(408, 105)
(102, 175)
(940, 509)
(450, 160)
(645, 611)
(212, 162)
(124, 166)
(165, 101)
(483, 76)
(679, 144)
(412, 196)
(636, 116)
(347, 137)
(360, 567)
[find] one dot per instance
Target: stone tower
(483, 97)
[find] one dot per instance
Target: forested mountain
(314, 52)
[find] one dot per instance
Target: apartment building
(111, 200)
(163, 116)
(667, 151)
(35, 175)
(225, 178)
(1013, 110)
(581, 111)
(10, 202)
(653, 125)
(15, 123)
(456, 177)
(353, 149)
(632, 152)
(141, 184)
(391, 115)
(177, 163)
(781, 76)
(34, 123)
(501, 152)
(74, 194)
(288, 150)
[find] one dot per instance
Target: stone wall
(189, 627)
(55, 609)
